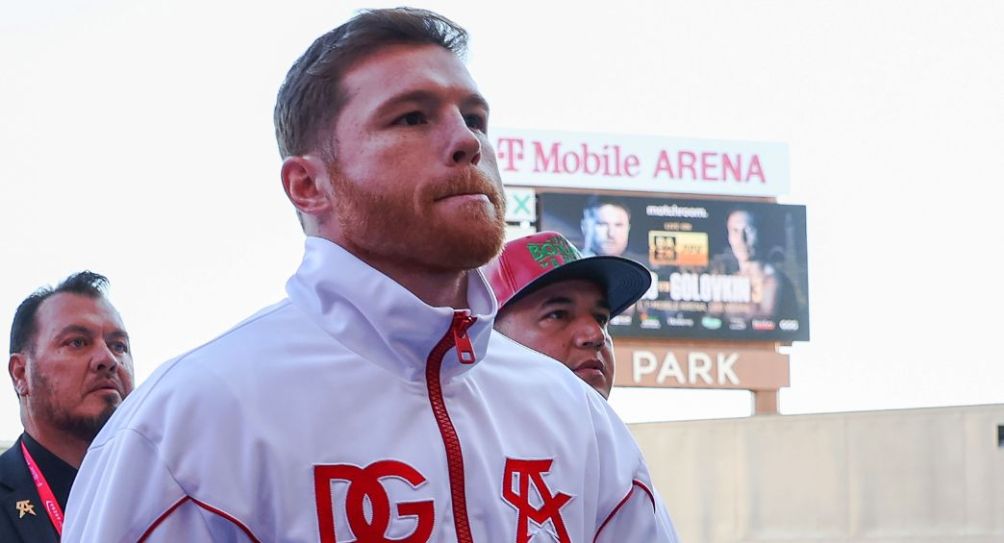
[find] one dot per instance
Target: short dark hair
(311, 95)
(597, 201)
(752, 216)
(85, 283)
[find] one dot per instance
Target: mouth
(464, 197)
(592, 367)
(106, 386)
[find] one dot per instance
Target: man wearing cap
(557, 302)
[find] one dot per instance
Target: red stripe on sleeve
(149, 531)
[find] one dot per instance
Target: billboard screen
(722, 269)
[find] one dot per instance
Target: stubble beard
(403, 227)
(77, 426)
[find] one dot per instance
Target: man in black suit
(71, 366)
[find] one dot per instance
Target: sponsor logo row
(709, 322)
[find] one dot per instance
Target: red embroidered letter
(522, 474)
(364, 484)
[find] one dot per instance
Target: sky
(136, 140)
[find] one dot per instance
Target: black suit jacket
(16, 485)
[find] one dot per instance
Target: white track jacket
(352, 411)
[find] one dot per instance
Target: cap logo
(552, 253)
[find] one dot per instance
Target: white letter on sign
(725, 364)
(642, 363)
(703, 369)
(670, 368)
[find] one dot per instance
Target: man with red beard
(71, 367)
(374, 403)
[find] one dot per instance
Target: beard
(404, 225)
(85, 428)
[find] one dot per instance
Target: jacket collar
(379, 319)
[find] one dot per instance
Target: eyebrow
(477, 100)
(79, 329)
(557, 300)
(74, 329)
(119, 334)
(428, 97)
(565, 300)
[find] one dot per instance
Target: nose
(463, 144)
(590, 335)
(104, 359)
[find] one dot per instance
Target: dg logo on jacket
(367, 508)
(366, 487)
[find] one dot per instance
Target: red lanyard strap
(44, 491)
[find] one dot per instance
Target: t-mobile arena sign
(641, 163)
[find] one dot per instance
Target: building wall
(910, 476)
(922, 475)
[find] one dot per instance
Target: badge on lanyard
(44, 491)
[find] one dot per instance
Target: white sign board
(641, 163)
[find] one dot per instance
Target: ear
(17, 368)
(305, 180)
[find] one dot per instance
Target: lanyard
(48, 498)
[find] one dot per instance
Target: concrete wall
(911, 476)
(923, 475)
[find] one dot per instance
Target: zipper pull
(465, 351)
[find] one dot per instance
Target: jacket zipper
(455, 336)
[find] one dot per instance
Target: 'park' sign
(699, 366)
